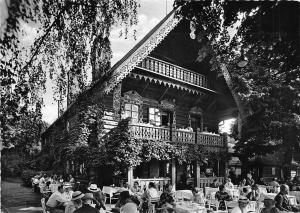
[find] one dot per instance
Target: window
(154, 116)
(132, 111)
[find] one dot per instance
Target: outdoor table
(296, 194)
(110, 190)
(187, 194)
(189, 207)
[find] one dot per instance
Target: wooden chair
(213, 203)
(152, 202)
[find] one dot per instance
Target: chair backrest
(43, 202)
(252, 206)
(154, 199)
(215, 203)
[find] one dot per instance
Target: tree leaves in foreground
(72, 40)
(266, 33)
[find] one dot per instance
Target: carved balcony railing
(149, 132)
(175, 72)
(144, 131)
(182, 136)
(210, 139)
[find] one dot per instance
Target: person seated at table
(98, 195)
(269, 206)
(282, 202)
(228, 184)
(254, 194)
(222, 196)
(56, 201)
(242, 183)
(261, 181)
(166, 200)
(242, 205)
(71, 179)
(87, 206)
(124, 199)
(151, 191)
(42, 182)
(198, 197)
(215, 184)
(136, 189)
(68, 191)
(249, 179)
(75, 203)
(274, 184)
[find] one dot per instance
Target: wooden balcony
(174, 72)
(176, 135)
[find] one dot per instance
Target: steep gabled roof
(141, 50)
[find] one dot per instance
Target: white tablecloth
(110, 190)
(187, 194)
(189, 208)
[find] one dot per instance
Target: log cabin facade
(164, 84)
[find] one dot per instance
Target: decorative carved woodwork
(132, 97)
(196, 111)
(175, 72)
(212, 142)
(142, 50)
(167, 105)
(117, 102)
(167, 83)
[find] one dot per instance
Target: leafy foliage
(123, 150)
(72, 37)
(269, 86)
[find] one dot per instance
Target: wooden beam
(145, 87)
(211, 104)
(164, 93)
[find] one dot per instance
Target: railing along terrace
(182, 136)
(206, 181)
(145, 131)
(210, 139)
(173, 71)
(149, 132)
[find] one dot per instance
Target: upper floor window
(131, 111)
(154, 116)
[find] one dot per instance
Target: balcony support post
(198, 174)
(173, 172)
(130, 175)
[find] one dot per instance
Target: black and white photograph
(149, 106)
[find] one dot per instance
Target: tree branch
(42, 39)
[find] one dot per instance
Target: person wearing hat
(254, 194)
(68, 191)
(242, 205)
(75, 203)
(98, 195)
(88, 201)
(269, 206)
(222, 196)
